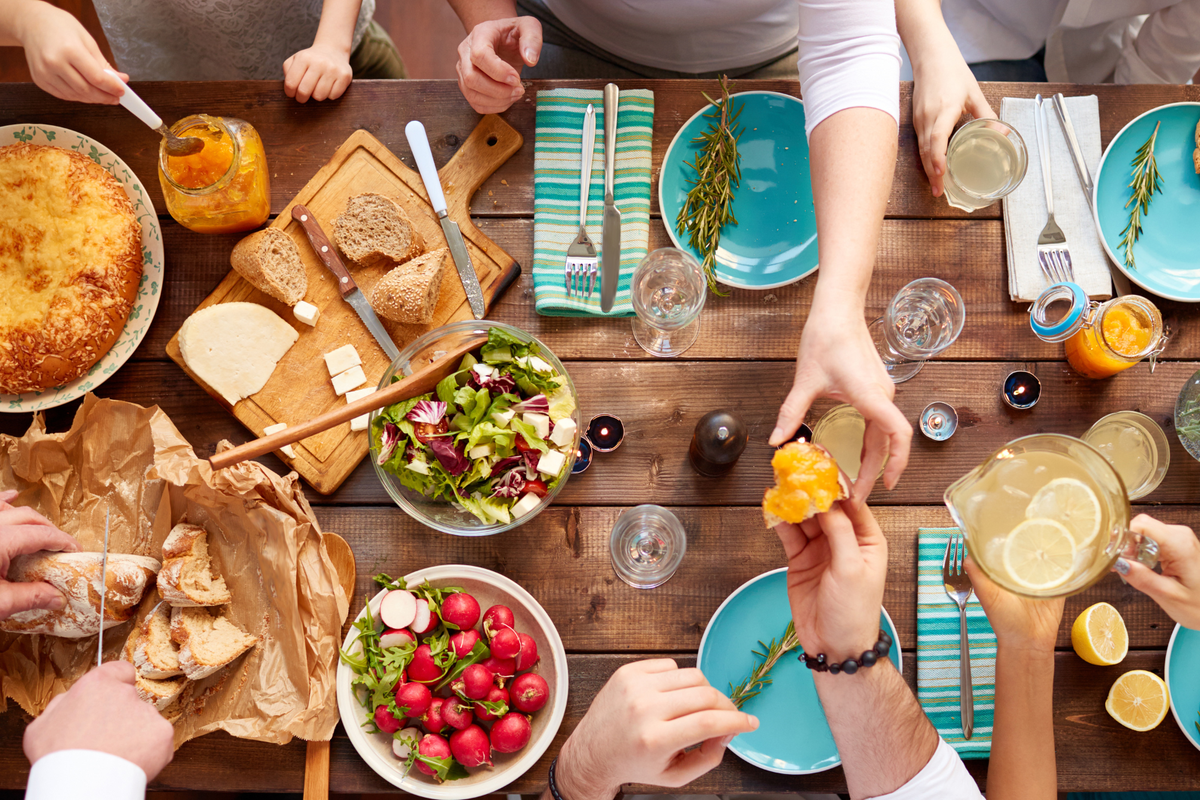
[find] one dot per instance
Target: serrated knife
(346, 285)
(419, 142)
(610, 244)
(103, 590)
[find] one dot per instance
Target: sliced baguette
(187, 577)
(270, 261)
(409, 293)
(374, 229)
(206, 642)
(159, 693)
(155, 655)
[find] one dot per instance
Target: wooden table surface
(744, 360)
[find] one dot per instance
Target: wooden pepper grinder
(717, 444)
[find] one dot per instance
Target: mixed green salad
(493, 439)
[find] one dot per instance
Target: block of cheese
(234, 347)
(306, 312)
(342, 359)
(276, 428)
(358, 394)
(359, 423)
(350, 379)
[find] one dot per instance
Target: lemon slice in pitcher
(1040, 554)
(1138, 700)
(1070, 502)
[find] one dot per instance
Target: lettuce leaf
(562, 403)
(502, 439)
(530, 434)
(488, 509)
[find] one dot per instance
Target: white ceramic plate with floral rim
(149, 290)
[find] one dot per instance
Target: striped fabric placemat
(937, 651)
(556, 194)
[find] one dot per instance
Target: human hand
(1019, 622)
(490, 61)
(63, 58)
(837, 566)
(23, 530)
(101, 711)
(838, 359)
(641, 728)
(320, 72)
(1177, 589)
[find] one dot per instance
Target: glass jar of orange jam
(1100, 339)
(223, 188)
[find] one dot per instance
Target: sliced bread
(374, 229)
(187, 577)
(159, 693)
(206, 642)
(155, 655)
(270, 260)
(409, 293)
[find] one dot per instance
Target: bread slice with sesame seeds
(409, 293)
(374, 229)
(270, 261)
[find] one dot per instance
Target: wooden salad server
(420, 382)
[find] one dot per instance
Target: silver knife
(419, 142)
(610, 244)
(346, 285)
(1120, 282)
(103, 590)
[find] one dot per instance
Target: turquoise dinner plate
(793, 737)
(1166, 258)
(775, 240)
(1183, 665)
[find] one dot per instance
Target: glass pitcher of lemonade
(1046, 516)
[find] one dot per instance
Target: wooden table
(744, 360)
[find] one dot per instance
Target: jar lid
(1058, 311)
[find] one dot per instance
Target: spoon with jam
(176, 146)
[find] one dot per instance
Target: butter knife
(103, 590)
(346, 285)
(1120, 282)
(610, 245)
(419, 142)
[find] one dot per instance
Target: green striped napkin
(556, 193)
(937, 651)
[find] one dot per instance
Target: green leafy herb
(709, 205)
(758, 680)
(479, 652)
(1146, 181)
(376, 669)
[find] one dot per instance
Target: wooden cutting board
(299, 388)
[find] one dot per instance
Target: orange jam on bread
(807, 483)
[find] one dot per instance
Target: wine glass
(647, 545)
(668, 291)
(923, 319)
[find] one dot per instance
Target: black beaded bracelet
(553, 786)
(849, 666)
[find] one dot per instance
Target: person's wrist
(25, 16)
(333, 44)
(1026, 648)
(848, 643)
(577, 779)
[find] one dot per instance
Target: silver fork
(580, 269)
(1053, 255)
(958, 587)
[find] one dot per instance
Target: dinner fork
(1053, 255)
(580, 269)
(958, 587)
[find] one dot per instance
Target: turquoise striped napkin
(937, 651)
(556, 193)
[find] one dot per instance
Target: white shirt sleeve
(849, 58)
(85, 775)
(944, 777)
(1165, 50)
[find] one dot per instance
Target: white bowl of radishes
(451, 719)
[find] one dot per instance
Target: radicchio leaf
(505, 463)
(500, 384)
(452, 459)
(531, 461)
(538, 404)
(388, 441)
(428, 411)
(510, 485)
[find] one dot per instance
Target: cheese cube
(358, 394)
(342, 359)
(564, 432)
(502, 418)
(484, 370)
(540, 422)
(481, 451)
(418, 466)
(306, 312)
(551, 463)
(276, 428)
(360, 422)
(350, 379)
(526, 504)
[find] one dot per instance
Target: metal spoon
(176, 146)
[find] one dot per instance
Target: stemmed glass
(923, 319)
(668, 291)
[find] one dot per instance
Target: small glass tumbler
(985, 160)
(668, 290)
(923, 319)
(647, 545)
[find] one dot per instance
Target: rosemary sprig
(709, 204)
(758, 680)
(1146, 181)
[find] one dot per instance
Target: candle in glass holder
(717, 443)
(605, 432)
(1022, 389)
(583, 457)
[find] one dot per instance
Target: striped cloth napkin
(556, 194)
(937, 651)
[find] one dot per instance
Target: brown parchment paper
(264, 540)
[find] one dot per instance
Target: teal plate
(793, 737)
(1183, 665)
(775, 240)
(1166, 259)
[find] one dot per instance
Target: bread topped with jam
(808, 482)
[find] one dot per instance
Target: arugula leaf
(479, 653)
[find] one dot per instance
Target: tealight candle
(803, 434)
(1022, 389)
(583, 457)
(605, 433)
(939, 421)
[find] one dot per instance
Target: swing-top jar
(1100, 339)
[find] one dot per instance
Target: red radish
(502, 668)
(457, 714)
(471, 747)
(386, 721)
(497, 617)
(415, 697)
(424, 619)
(396, 637)
(505, 644)
(529, 693)
(528, 655)
(477, 681)
(405, 743)
(460, 609)
(433, 721)
(433, 746)
(398, 608)
(422, 668)
(463, 642)
(496, 695)
(403, 680)
(511, 733)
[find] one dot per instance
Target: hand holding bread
(23, 531)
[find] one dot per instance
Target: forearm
(577, 779)
(14, 16)
(473, 12)
(922, 29)
(1022, 760)
(338, 21)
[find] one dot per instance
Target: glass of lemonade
(1136, 447)
(1046, 516)
(840, 430)
(985, 160)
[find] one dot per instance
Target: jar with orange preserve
(1100, 339)
(224, 187)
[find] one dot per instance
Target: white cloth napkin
(1025, 209)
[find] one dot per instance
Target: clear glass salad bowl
(436, 513)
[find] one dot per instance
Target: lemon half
(1139, 700)
(1040, 554)
(1070, 502)
(1099, 635)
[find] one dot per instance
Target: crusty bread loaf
(409, 293)
(374, 229)
(77, 576)
(159, 693)
(270, 260)
(206, 642)
(156, 656)
(187, 577)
